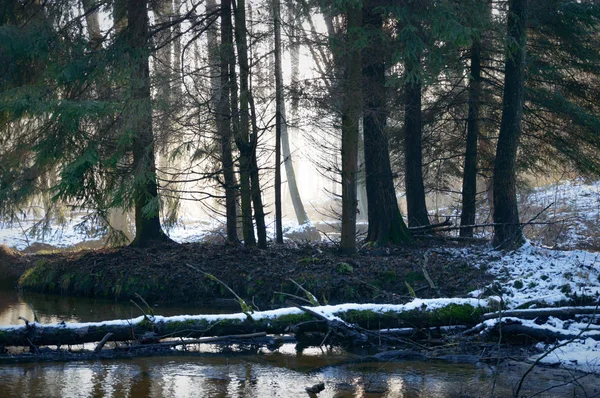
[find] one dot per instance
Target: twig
(294, 296)
(246, 309)
(539, 214)
(102, 342)
(311, 297)
(424, 267)
(204, 340)
(446, 223)
(140, 308)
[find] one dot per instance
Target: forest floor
(176, 273)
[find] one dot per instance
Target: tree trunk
(163, 10)
(224, 123)
(508, 233)
(385, 221)
(255, 191)
(301, 215)
(413, 135)
(242, 139)
(278, 120)
(469, 187)
(351, 110)
(90, 7)
(139, 121)
(176, 86)
(259, 212)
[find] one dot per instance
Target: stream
(282, 373)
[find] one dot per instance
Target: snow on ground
(534, 277)
(575, 206)
(582, 354)
(539, 275)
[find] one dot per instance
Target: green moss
(453, 314)
(344, 268)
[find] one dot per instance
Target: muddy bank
(12, 265)
(163, 274)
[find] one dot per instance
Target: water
(283, 373)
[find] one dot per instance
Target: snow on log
(553, 330)
(419, 313)
(558, 312)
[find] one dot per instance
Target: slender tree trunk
(508, 233)
(244, 142)
(242, 138)
(361, 181)
(224, 122)
(413, 156)
(176, 84)
(350, 121)
(385, 221)
(259, 212)
(146, 201)
(469, 187)
(278, 121)
(244, 205)
(290, 174)
(255, 191)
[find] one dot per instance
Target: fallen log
(423, 228)
(355, 319)
(517, 331)
(533, 313)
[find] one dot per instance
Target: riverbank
(176, 273)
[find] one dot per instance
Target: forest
(117, 106)
(135, 115)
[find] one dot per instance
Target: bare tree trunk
(244, 205)
(413, 136)
(223, 118)
(139, 120)
(245, 143)
(278, 120)
(301, 215)
(176, 84)
(469, 187)
(350, 121)
(361, 180)
(259, 212)
(507, 231)
(385, 221)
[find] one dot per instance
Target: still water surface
(265, 374)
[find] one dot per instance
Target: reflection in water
(54, 308)
(267, 375)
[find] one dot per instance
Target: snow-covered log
(559, 312)
(418, 313)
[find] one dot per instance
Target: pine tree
(507, 230)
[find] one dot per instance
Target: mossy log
(559, 312)
(272, 322)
